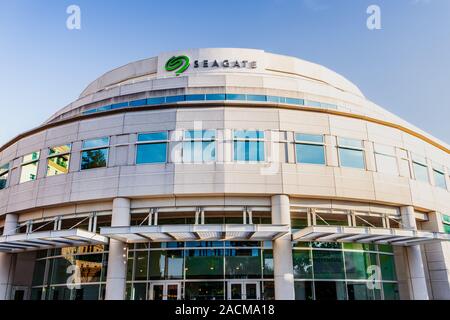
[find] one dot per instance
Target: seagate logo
(179, 64)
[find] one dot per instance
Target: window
(446, 223)
(95, 153)
(4, 172)
(439, 176)
(29, 167)
(248, 145)
(351, 153)
(199, 146)
(152, 147)
(404, 164)
(386, 159)
(420, 168)
(58, 160)
(309, 148)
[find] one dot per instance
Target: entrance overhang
(49, 239)
(398, 237)
(201, 232)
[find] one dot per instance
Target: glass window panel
(60, 293)
(58, 165)
(175, 98)
(138, 103)
(38, 274)
(60, 266)
(4, 168)
(104, 108)
(36, 294)
(86, 292)
(351, 158)
(157, 264)
(4, 180)
(255, 97)
(302, 264)
(328, 105)
(446, 218)
(347, 142)
(313, 103)
(119, 105)
(140, 265)
(199, 151)
(385, 248)
(151, 153)
(204, 290)
(273, 99)
(390, 291)
(446, 228)
(357, 264)
(156, 100)
(248, 151)
(90, 111)
(294, 101)
(232, 96)
(439, 179)
(309, 153)
(268, 263)
(326, 245)
(268, 290)
(318, 138)
(299, 223)
(96, 143)
(328, 264)
(248, 134)
(139, 291)
(153, 136)
(330, 290)
(204, 263)
(303, 290)
(60, 149)
(215, 97)
(359, 291)
(31, 157)
(175, 264)
(91, 159)
(420, 172)
(243, 263)
(387, 266)
(29, 172)
(90, 266)
(386, 164)
(195, 97)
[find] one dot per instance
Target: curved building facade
(224, 174)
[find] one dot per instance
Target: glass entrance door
(243, 290)
(165, 291)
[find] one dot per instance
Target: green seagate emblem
(178, 64)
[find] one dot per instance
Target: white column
(417, 281)
(117, 258)
(282, 251)
(7, 260)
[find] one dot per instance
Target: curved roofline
(93, 87)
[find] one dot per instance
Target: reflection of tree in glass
(93, 159)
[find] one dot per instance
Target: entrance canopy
(49, 239)
(399, 237)
(203, 232)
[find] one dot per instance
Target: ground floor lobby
(218, 270)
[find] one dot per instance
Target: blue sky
(404, 67)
